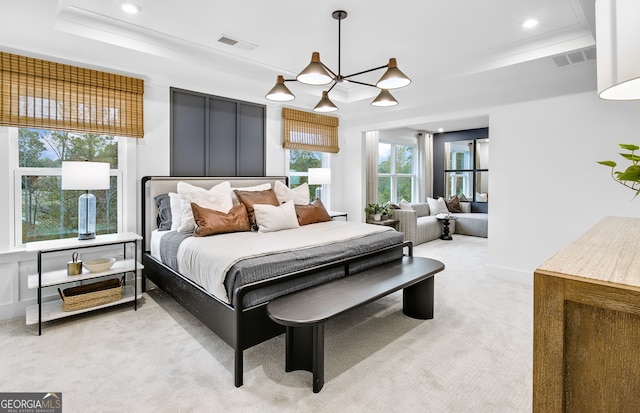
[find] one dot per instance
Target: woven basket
(91, 295)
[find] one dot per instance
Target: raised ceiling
(462, 55)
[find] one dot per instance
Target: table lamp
(319, 176)
(85, 175)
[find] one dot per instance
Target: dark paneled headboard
(157, 185)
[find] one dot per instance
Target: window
(299, 163)
(396, 172)
(43, 210)
(466, 169)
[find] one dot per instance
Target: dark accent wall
(438, 160)
(216, 136)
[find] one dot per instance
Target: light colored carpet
(474, 356)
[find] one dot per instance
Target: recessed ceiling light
(130, 8)
(529, 24)
(440, 130)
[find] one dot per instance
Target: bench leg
(417, 300)
(305, 351)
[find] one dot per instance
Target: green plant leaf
(608, 163)
(630, 157)
(631, 174)
(629, 147)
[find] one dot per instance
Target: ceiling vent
(236, 43)
(574, 57)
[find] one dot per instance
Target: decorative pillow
(211, 222)
(275, 218)
(421, 208)
(163, 202)
(437, 206)
(218, 198)
(251, 198)
(312, 213)
(453, 204)
(299, 195)
(465, 206)
(405, 205)
(175, 201)
(260, 187)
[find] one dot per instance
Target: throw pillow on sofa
(437, 206)
(403, 204)
(453, 204)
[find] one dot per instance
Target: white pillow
(218, 198)
(405, 205)
(175, 201)
(275, 218)
(437, 206)
(260, 187)
(299, 195)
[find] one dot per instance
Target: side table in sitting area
(445, 226)
(390, 222)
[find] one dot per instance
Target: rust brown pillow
(250, 198)
(453, 204)
(211, 222)
(312, 213)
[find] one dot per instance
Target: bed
(233, 305)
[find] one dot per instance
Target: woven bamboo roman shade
(310, 131)
(40, 94)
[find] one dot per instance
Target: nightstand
(52, 310)
(336, 214)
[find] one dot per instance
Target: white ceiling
(462, 55)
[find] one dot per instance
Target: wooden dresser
(586, 336)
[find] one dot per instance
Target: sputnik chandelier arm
(317, 74)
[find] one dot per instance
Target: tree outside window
(396, 177)
(47, 212)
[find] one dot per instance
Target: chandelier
(317, 74)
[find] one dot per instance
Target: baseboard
(510, 274)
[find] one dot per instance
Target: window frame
(326, 163)
(473, 170)
(15, 197)
(394, 176)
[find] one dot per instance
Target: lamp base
(91, 235)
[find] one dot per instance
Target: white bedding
(156, 236)
(208, 270)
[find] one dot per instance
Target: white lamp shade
(83, 175)
(319, 176)
(618, 49)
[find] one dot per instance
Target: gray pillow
(422, 209)
(164, 212)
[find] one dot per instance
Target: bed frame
(241, 328)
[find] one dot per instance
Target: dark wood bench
(303, 313)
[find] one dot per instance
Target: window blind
(40, 94)
(309, 131)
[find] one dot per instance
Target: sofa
(419, 224)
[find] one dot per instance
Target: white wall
(546, 187)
